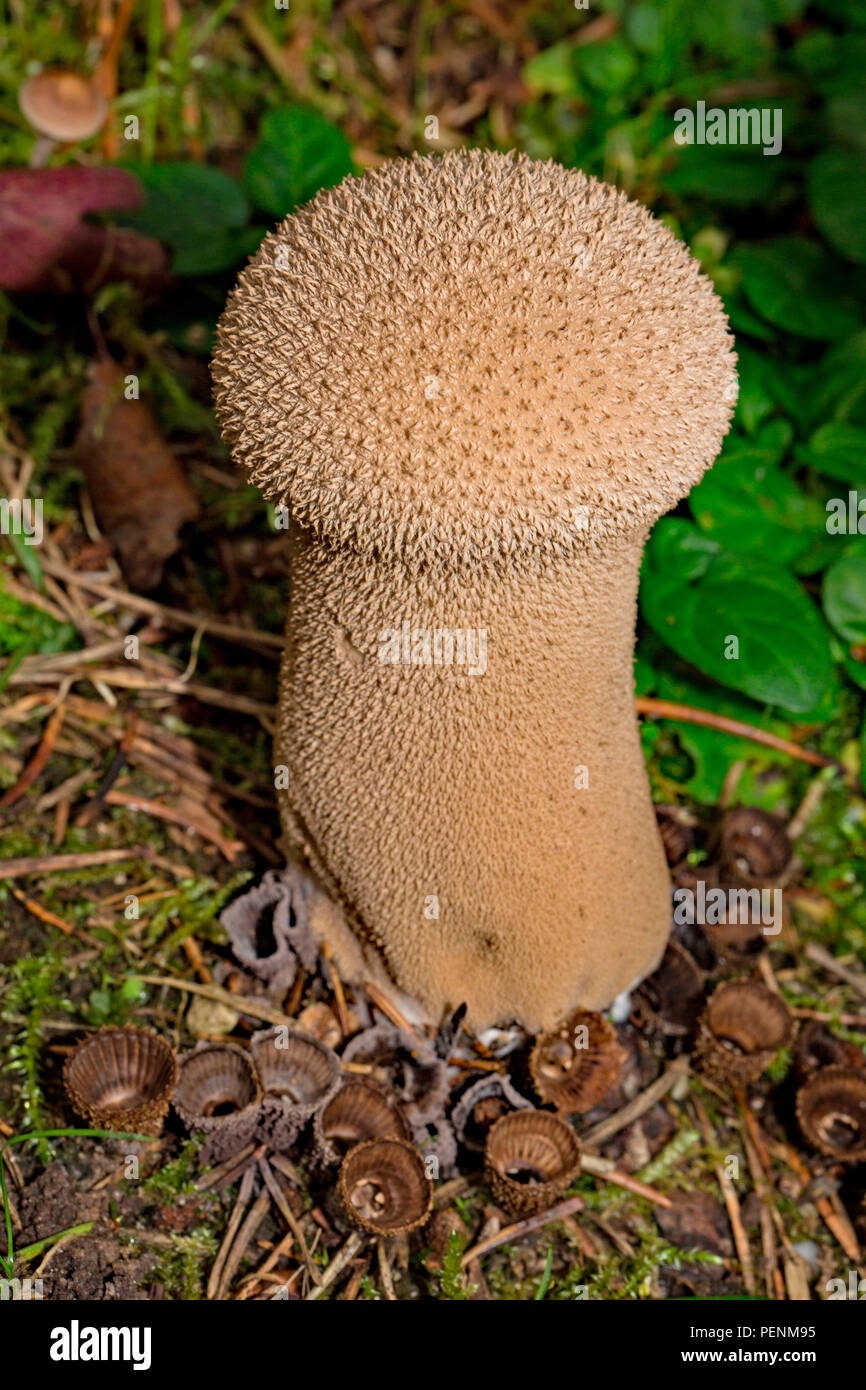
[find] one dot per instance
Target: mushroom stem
(416, 783)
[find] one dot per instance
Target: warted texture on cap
(452, 356)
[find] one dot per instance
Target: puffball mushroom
(473, 382)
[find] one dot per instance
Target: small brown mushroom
(63, 105)
(384, 1187)
(218, 1093)
(481, 1105)
(122, 1079)
(818, 1047)
(742, 1028)
(576, 1064)
(530, 1158)
(359, 1111)
(676, 827)
(406, 1065)
(831, 1109)
(671, 999)
(753, 848)
(298, 1075)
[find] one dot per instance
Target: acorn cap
(481, 1105)
(530, 1158)
(831, 1110)
(405, 1065)
(62, 104)
(298, 1075)
(817, 1047)
(384, 1187)
(671, 998)
(753, 847)
(360, 1110)
(218, 1093)
(122, 1079)
(742, 1028)
(574, 1066)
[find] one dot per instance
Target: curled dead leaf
(140, 494)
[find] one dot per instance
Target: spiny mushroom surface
(474, 382)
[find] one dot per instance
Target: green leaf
(838, 450)
(198, 211)
(765, 385)
(783, 652)
(844, 596)
(724, 174)
(837, 385)
(298, 152)
(746, 502)
(796, 286)
(552, 71)
(837, 200)
(606, 67)
(711, 751)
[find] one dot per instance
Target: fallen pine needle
(600, 1169)
(238, 1002)
(38, 761)
(522, 1228)
(59, 863)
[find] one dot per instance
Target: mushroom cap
(216, 1081)
(530, 1158)
(218, 1093)
(576, 1064)
(831, 1109)
(359, 1111)
(294, 1068)
(741, 1029)
(474, 357)
(62, 104)
(407, 1066)
(122, 1079)
(671, 998)
(384, 1187)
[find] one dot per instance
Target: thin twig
(38, 761)
(240, 1003)
(60, 863)
(172, 617)
(606, 1129)
(243, 1197)
(289, 1217)
(732, 1201)
(669, 709)
(523, 1228)
(344, 1256)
